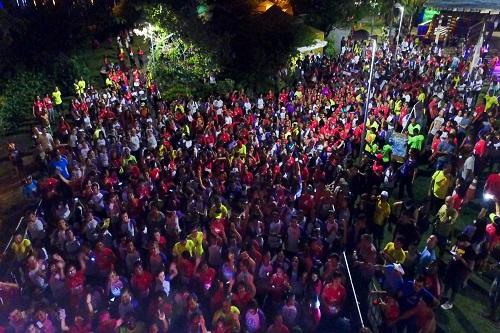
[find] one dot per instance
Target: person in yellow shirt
(440, 185)
(393, 252)
(198, 239)
(241, 149)
(183, 245)
(380, 217)
(21, 247)
(446, 218)
(421, 97)
(397, 107)
(56, 97)
(218, 210)
(491, 101)
(79, 87)
(370, 145)
(229, 314)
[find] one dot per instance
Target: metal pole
(353, 291)
(391, 20)
(402, 9)
(368, 95)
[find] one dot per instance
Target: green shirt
(490, 102)
(412, 127)
(416, 142)
(386, 153)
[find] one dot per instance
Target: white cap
(399, 268)
(384, 194)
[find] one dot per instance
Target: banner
(398, 142)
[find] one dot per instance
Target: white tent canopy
(318, 44)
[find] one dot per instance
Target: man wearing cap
(393, 277)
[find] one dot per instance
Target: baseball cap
(384, 194)
(399, 268)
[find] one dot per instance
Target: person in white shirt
(36, 228)
(247, 105)
(260, 103)
(44, 138)
(135, 143)
(468, 168)
(152, 143)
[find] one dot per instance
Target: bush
(224, 87)
(65, 70)
(16, 99)
(329, 49)
(176, 90)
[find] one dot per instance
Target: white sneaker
(447, 306)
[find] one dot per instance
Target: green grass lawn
(473, 300)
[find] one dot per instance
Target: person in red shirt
(278, 326)
(40, 111)
(104, 259)
(493, 233)
(186, 266)
(492, 186)
(75, 283)
(141, 281)
(333, 294)
(480, 152)
(434, 107)
(205, 275)
(279, 283)
(244, 294)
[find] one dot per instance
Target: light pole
(402, 10)
(368, 95)
(149, 31)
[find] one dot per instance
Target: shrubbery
(64, 70)
(16, 99)
(18, 93)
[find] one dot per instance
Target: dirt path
(12, 203)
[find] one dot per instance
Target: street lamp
(149, 31)
(401, 10)
(368, 95)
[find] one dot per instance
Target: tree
(245, 47)
(326, 14)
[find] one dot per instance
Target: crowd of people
(260, 214)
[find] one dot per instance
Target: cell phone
(39, 324)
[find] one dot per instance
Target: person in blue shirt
(393, 277)
(30, 188)
(409, 297)
(428, 254)
(60, 164)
